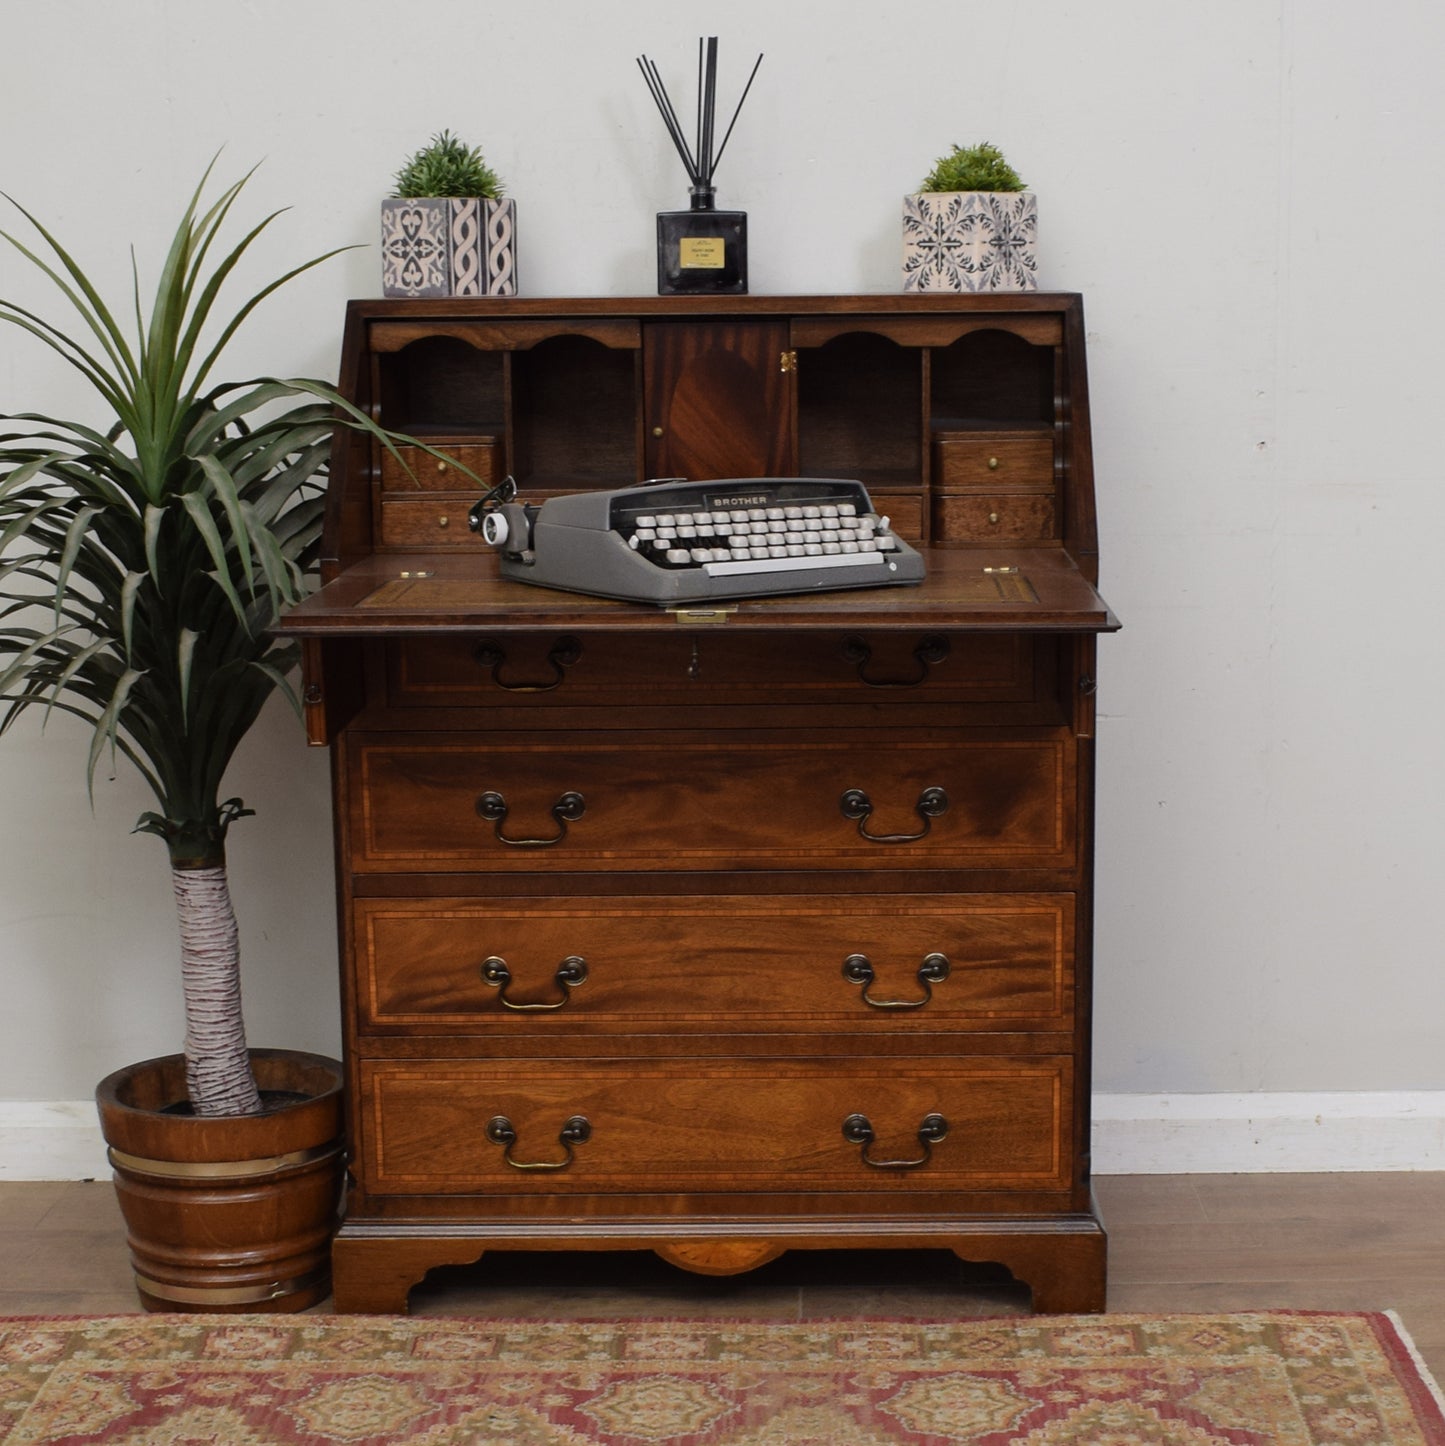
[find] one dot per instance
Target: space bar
(793, 564)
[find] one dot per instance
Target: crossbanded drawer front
(565, 670)
(674, 802)
(433, 1128)
(735, 963)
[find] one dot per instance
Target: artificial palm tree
(143, 563)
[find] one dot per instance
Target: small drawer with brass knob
(411, 470)
(424, 523)
(970, 461)
(994, 517)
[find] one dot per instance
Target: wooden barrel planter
(233, 1213)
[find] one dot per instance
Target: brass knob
(441, 466)
(993, 516)
(443, 521)
(993, 464)
(657, 431)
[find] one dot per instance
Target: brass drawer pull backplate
(568, 809)
(575, 1131)
(858, 1130)
(856, 804)
(571, 972)
(564, 652)
(858, 969)
(930, 650)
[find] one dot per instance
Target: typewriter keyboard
(745, 540)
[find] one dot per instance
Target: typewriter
(672, 541)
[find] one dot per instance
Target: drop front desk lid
(1029, 589)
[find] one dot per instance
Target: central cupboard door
(718, 399)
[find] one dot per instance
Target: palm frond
(159, 550)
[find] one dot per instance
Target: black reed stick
(669, 118)
(699, 96)
(736, 113)
(701, 161)
(709, 109)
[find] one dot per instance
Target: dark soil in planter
(271, 1101)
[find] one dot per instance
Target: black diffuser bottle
(702, 249)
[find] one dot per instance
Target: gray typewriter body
(672, 542)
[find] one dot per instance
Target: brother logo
(739, 499)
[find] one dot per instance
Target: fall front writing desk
(716, 932)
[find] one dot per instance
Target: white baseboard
(51, 1140)
(1133, 1134)
(1269, 1133)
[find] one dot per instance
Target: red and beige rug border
(879, 1356)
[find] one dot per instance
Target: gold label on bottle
(701, 251)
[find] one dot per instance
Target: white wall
(1249, 197)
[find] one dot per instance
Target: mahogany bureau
(715, 932)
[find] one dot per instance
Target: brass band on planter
(228, 1294)
(221, 1169)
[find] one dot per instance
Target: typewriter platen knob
(507, 528)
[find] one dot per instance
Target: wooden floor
(1176, 1243)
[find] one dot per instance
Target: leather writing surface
(444, 594)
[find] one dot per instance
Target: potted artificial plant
(972, 226)
(448, 231)
(142, 562)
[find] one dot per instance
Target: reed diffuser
(701, 249)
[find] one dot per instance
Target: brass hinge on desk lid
(788, 361)
(701, 614)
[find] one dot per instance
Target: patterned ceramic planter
(970, 241)
(440, 246)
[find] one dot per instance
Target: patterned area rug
(1276, 1379)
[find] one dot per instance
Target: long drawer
(526, 968)
(433, 1128)
(687, 668)
(687, 801)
